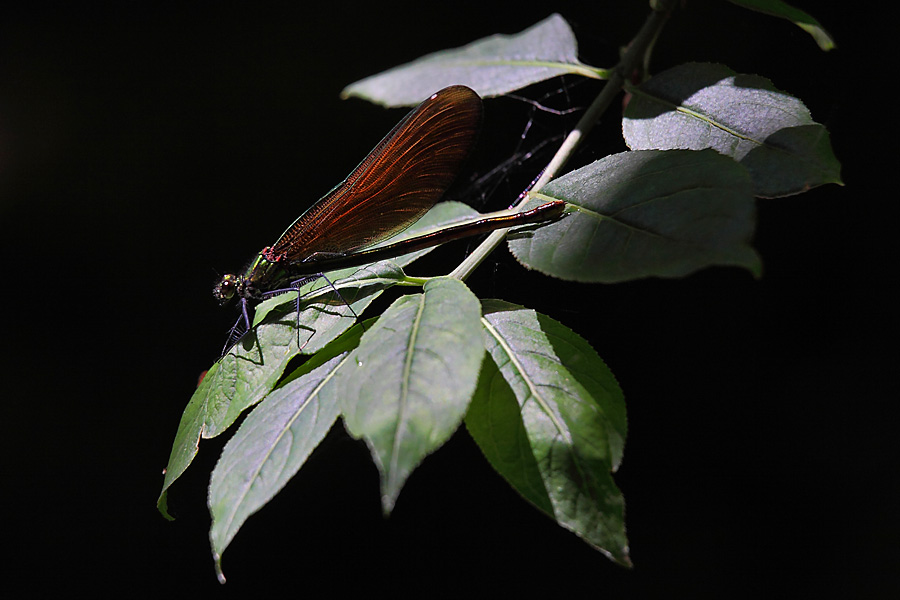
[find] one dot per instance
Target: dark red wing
(404, 176)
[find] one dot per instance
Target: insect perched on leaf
(394, 186)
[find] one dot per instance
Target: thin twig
(618, 75)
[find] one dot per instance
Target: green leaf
(274, 441)
(645, 214)
(492, 66)
(253, 366)
(550, 417)
(237, 381)
(696, 106)
(777, 8)
(495, 423)
(406, 388)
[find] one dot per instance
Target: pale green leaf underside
(491, 66)
(550, 417)
(698, 105)
(408, 385)
(645, 214)
(778, 8)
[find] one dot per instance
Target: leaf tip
(220, 575)
(353, 91)
(387, 504)
(163, 508)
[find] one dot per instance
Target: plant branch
(634, 55)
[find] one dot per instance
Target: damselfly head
(225, 289)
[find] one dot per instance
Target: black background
(143, 148)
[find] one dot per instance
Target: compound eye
(224, 290)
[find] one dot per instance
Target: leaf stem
(414, 281)
(634, 55)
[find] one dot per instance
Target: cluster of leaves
(539, 401)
